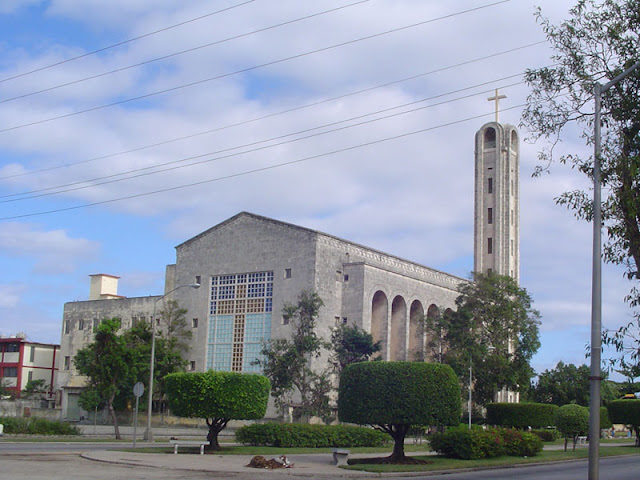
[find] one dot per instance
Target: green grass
(441, 463)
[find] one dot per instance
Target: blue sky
(411, 197)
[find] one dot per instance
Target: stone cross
(496, 98)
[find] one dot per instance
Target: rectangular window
(66, 327)
(489, 216)
(512, 217)
(490, 245)
(490, 185)
(198, 279)
(30, 376)
(346, 278)
(12, 347)
(81, 324)
(194, 323)
(512, 249)
(192, 365)
(10, 372)
(32, 354)
(287, 273)
(67, 363)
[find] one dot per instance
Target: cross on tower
(496, 98)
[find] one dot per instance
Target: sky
(128, 126)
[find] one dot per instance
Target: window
(511, 217)
(192, 365)
(490, 216)
(490, 185)
(12, 347)
(30, 376)
(10, 372)
(287, 273)
(32, 354)
(67, 363)
(66, 327)
(285, 320)
(345, 320)
(134, 322)
(194, 323)
(346, 278)
(512, 249)
(490, 245)
(198, 279)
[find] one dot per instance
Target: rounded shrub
(572, 421)
(521, 415)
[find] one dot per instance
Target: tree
(393, 396)
(562, 385)
(626, 412)
(107, 363)
(572, 421)
(35, 389)
(286, 362)
(599, 41)
(351, 344)
(171, 344)
(218, 397)
(568, 384)
(495, 329)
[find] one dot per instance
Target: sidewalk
(316, 465)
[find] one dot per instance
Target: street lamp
(148, 434)
(596, 283)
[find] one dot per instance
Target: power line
(256, 170)
(255, 119)
(189, 50)
(123, 42)
(114, 178)
(248, 69)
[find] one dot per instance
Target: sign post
(138, 390)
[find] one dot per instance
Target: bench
(188, 443)
(340, 456)
(582, 440)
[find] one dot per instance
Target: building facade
(249, 267)
(22, 361)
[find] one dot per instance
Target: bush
(521, 415)
(460, 442)
(572, 421)
(302, 435)
(605, 422)
(37, 426)
(546, 434)
(626, 412)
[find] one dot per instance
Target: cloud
(11, 6)
(53, 251)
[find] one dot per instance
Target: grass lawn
(441, 463)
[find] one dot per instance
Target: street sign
(138, 389)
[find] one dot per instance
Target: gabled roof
(310, 231)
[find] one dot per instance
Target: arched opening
(490, 138)
(398, 331)
(379, 320)
(416, 332)
(436, 340)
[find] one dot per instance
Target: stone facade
(249, 267)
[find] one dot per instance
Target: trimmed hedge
(401, 393)
(465, 444)
(627, 412)
(521, 415)
(546, 434)
(605, 422)
(314, 436)
(37, 426)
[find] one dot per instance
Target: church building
(250, 266)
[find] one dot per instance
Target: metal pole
(470, 380)
(596, 300)
(596, 282)
(148, 435)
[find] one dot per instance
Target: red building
(22, 360)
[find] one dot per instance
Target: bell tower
(497, 198)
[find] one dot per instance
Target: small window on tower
(490, 185)
(287, 273)
(490, 216)
(194, 323)
(490, 245)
